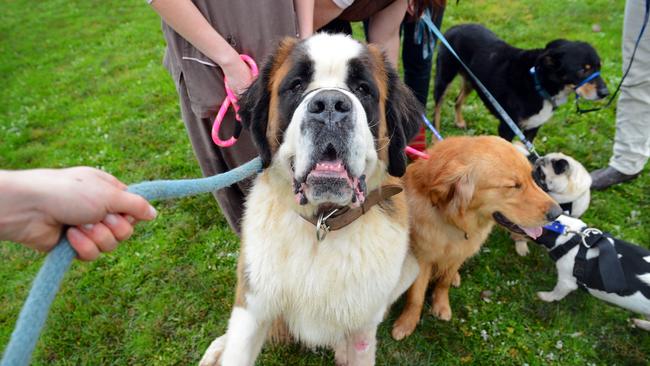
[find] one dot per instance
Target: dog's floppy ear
(556, 43)
(403, 116)
(560, 166)
(454, 192)
(551, 57)
(255, 102)
(254, 111)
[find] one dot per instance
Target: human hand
(238, 75)
(35, 205)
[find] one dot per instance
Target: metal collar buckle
(321, 225)
(587, 233)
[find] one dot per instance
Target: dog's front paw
(521, 246)
(212, 356)
(441, 310)
(404, 326)
(547, 296)
(456, 281)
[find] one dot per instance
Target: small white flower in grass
(559, 345)
(484, 335)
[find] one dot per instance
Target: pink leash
(416, 152)
(230, 100)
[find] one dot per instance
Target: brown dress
(252, 27)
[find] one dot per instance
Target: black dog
(529, 84)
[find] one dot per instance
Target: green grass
(82, 84)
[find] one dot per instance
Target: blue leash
(34, 313)
(506, 118)
(433, 129)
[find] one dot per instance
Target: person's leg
(417, 73)
(632, 140)
(214, 160)
(417, 69)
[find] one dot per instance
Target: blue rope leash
(34, 313)
(433, 129)
(506, 118)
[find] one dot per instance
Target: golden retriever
(455, 197)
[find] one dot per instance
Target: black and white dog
(529, 84)
(608, 268)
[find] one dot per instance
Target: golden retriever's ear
(461, 194)
(453, 195)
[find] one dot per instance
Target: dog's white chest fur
(324, 289)
(540, 118)
(546, 112)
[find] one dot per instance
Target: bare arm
(383, 26)
(324, 12)
(305, 13)
(383, 29)
(184, 17)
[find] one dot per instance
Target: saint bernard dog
(325, 233)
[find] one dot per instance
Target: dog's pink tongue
(533, 232)
(330, 168)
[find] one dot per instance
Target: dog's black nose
(554, 212)
(602, 92)
(330, 106)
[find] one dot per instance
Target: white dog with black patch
(325, 232)
(608, 268)
(566, 180)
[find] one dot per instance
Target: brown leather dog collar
(341, 217)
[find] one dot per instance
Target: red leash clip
(231, 100)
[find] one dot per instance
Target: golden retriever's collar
(342, 217)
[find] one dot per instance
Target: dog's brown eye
(296, 85)
(363, 89)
